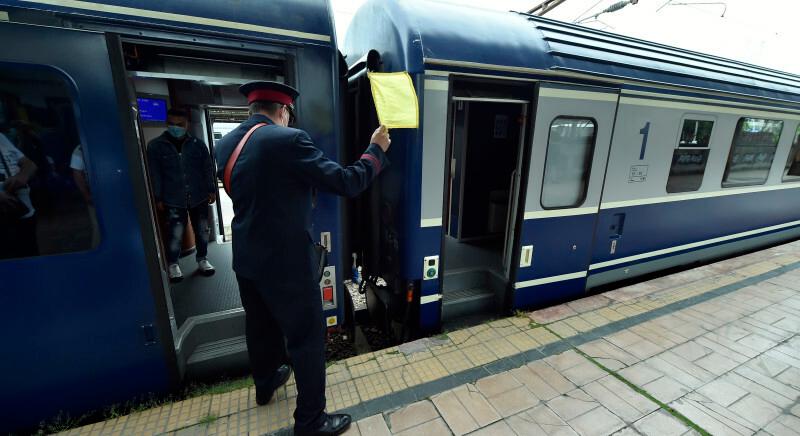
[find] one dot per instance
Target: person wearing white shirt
(17, 222)
(80, 176)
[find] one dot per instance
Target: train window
(791, 173)
(752, 152)
(45, 202)
(690, 157)
(569, 161)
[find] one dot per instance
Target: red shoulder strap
(226, 178)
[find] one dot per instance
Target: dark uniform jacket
(271, 189)
(182, 179)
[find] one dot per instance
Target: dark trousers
(176, 225)
(272, 315)
(18, 238)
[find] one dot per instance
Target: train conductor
(271, 176)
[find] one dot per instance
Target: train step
(466, 302)
(208, 358)
(212, 341)
(472, 278)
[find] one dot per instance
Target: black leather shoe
(264, 393)
(333, 425)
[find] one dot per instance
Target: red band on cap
(268, 95)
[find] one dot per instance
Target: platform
(711, 350)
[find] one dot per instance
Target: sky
(763, 32)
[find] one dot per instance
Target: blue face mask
(177, 132)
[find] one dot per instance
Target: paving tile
(726, 347)
(640, 374)
(412, 415)
(534, 383)
(514, 401)
(551, 377)
(354, 431)
(539, 421)
(707, 419)
(756, 410)
(497, 384)
(572, 405)
(597, 422)
(436, 427)
(757, 389)
(478, 354)
(584, 373)
(454, 413)
(501, 348)
(691, 351)
(372, 386)
(522, 341)
(790, 377)
(565, 360)
(660, 423)
(784, 425)
(562, 329)
(666, 389)
(610, 355)
(716, 363)
(454, 361)
(373, 426)
(552, 314)
(757, 342)
(542, 336)
(500, 428)
(722, 392)
(769, 383)
(480, 409)
(645, 349)
(627, 431)
(620, 399)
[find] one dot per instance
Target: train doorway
(483, 190)
(206, 313)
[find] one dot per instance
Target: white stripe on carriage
(694, 196)
(431, 222)
(436, 85)
(560, 212)
(693, 245)
(430, 298)
(552, 279)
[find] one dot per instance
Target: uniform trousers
(278, 319)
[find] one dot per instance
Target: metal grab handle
(511, 194)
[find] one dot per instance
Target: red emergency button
(327, 293)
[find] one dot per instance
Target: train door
(573, 128)
(487, 145)
(205, 310)
(84, 318)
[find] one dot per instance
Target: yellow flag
(395, 100)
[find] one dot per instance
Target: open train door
(572, 134)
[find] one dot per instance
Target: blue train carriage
(90, 318)
(553, 158)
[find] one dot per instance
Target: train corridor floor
(711, 350)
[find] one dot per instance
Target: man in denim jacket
(182, 176)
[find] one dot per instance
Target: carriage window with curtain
(690, 157)
(47, 207)
(791, 172)
(752, 152)
(570, 148)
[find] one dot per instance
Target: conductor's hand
(381, 137)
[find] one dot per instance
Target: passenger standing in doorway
(271, 185)
(182, 177)
(17, 215)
